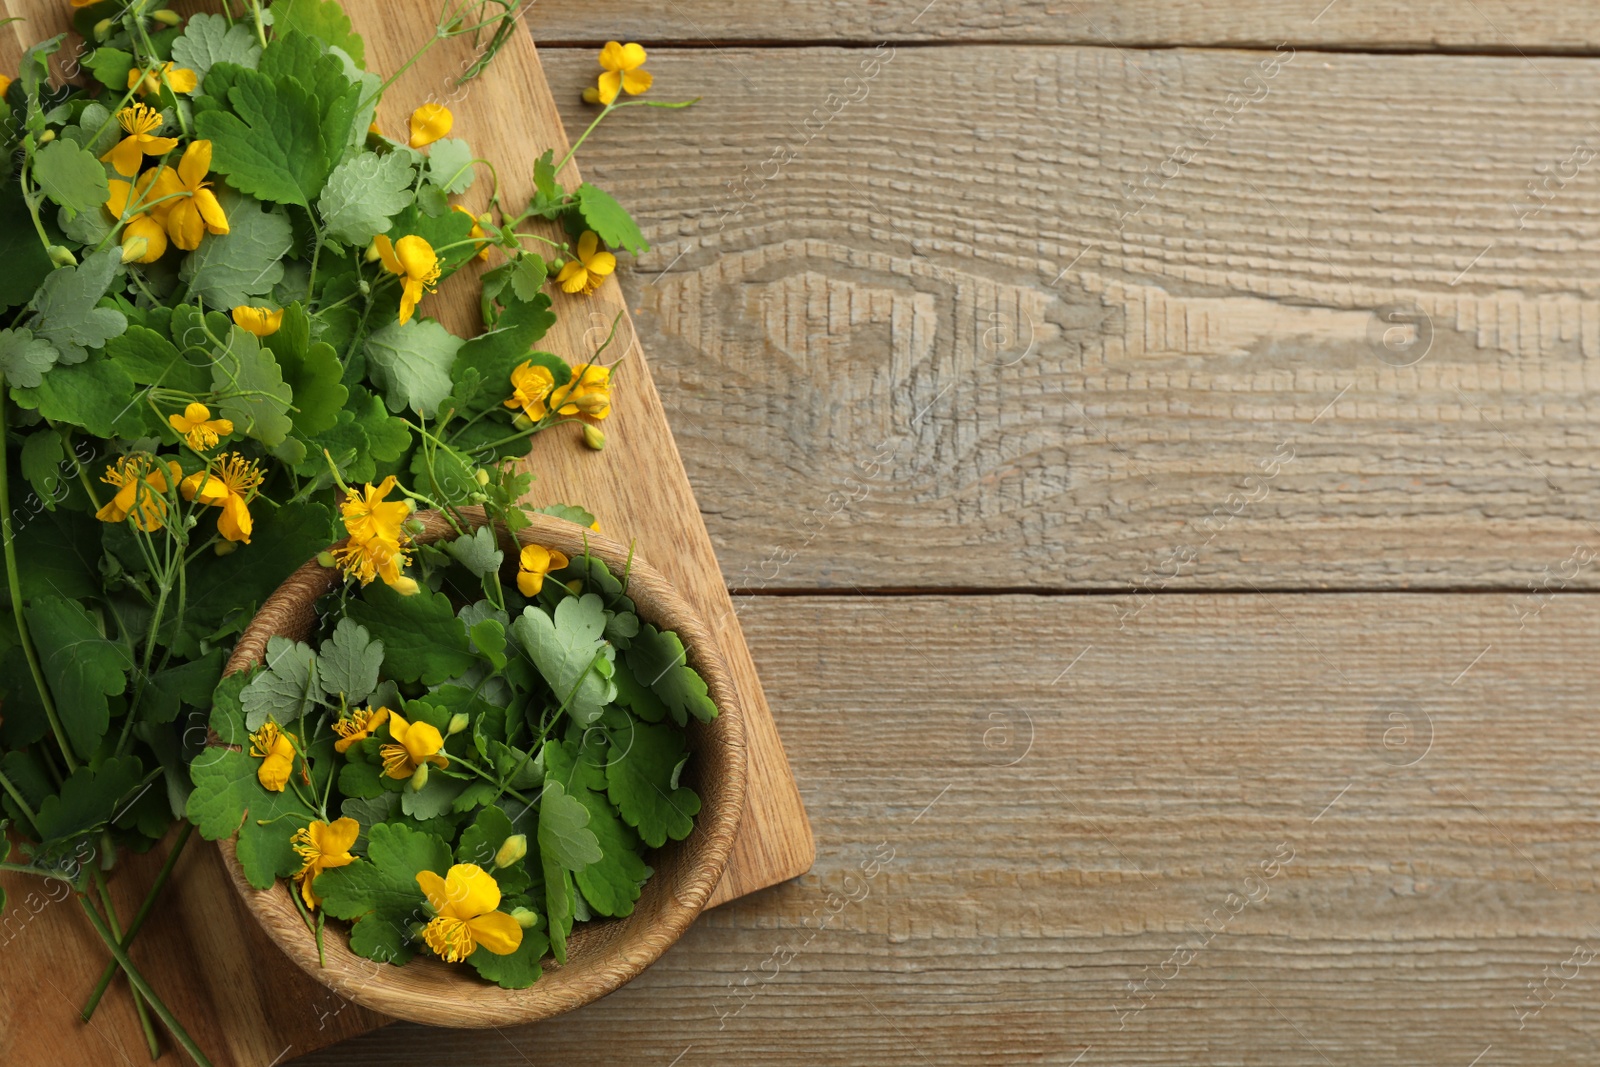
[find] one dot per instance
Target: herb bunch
(214, 322)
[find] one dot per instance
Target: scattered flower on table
(429, 123)
(622, 73)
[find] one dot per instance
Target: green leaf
(422, 638)
(208, 40)
(565, 844)
(477, 552)
(411, 363)
(544, 176)
(323, 19)
(110, 67)
(570, 512)
(81, 667)
(609, 219)
(89, 799)
(98, 396)
(363, 195)
(640, 771)
(369, 811)
(450, 165)
(42, 458)
(65, 312)
(434, 799)
(296, 59)
(71, 176)
(287, 689)
(20, 249)
(312, 371)
(659, 660)
(94, 129)
(265, 847)
(349, 662)
(191, 683)
(528, 276)
(571, 654)
(151, 359)
(63, 550)
(381, 892)
(612, 883)
(246, 262)
(271, 145)
(517, 970)
(489, 638)
(24, 358)
(252, 392)
(493, 355)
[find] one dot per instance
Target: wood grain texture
(1530, 26)
(1058, 833)
(600, 956)
(944, 335)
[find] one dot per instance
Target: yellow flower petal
(434, 888)
(470, 891)
(497, 932)
(429, 123)
(635, 82)
(183, 80)
(609, 85)
(633, 56)
(263, 322)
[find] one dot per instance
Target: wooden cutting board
(241, 999)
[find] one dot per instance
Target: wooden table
(1086, 649)
(1160, 487)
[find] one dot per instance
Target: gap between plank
(851, 43)
(860, 592)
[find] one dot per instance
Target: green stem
(14, 583)
(139, 917)
(585, 136)
(136, 979)
(22, 805)
(138, 1001)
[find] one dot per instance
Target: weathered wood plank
(947, 336)
(1489, 25)
(1418, 889)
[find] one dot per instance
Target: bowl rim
(420, 991)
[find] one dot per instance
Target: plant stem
(13, 582)
(139, 917)
(138, 1001)
(136, 979)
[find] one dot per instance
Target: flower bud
(47, 136)
(135, 249)
(365, 287)
(458, 722)
(521, 421)
(325, 560)
(373, 255)
(591, 95)
(167, 17)
(405, 586)
(419, 778)
(592, 403)
(413, 527)
(152, 84)
(515, 847)
(526, 917)
(592, 436)
(575, 587)
(482, 476)
(62, 256)
(225, 548)
(102, 29)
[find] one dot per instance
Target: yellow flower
(199, 428)
(413, 260)
(535, 562)
(276, 752)
(588, 393)
(139, 122)
(139, 224)
(429, 123)
(263, 322)
(366, 560)
(141, 490)
(466, 903)
(477, 233)
(5, 83)
(357, 726)
(417, 743)
(322, 846)
(230, 484)
(622, 73)
(179, 79)
(530, 385)
(368, 515)
(188, 217)
(593, 264)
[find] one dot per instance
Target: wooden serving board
(242, 1000)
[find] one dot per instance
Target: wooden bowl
(602, 954)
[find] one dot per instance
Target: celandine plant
(213, 322)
